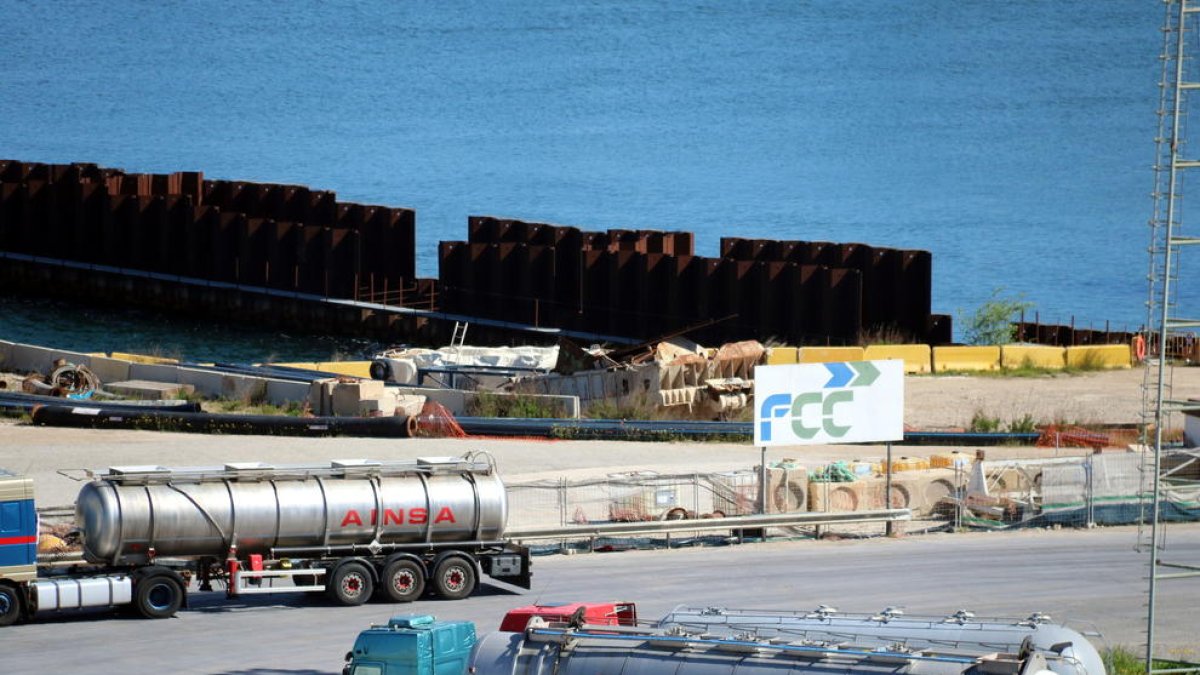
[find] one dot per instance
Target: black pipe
(21, 402)
(101, 417)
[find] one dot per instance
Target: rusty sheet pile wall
(279, 236)
(643, 283)
(639, 284)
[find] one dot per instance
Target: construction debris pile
(674, 373)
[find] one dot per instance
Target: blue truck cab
(412, 644)
(18, 542)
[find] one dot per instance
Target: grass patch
(1024, 425)
(1122, 660)
(243, 407)
(983, 423)
(488, 404)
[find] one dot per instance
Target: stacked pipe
(645, 283)
(278, 236)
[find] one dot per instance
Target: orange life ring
(1139, 347)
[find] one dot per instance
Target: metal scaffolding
(1163, 321)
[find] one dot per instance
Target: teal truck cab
(412, 644)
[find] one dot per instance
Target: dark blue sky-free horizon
(1013, 140)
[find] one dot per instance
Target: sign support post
(889, 529)
(762, 481)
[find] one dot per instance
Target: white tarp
(542, 358)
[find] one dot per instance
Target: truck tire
(454, 578)
(350, 584)
(10, 605)
(158, 596)
(403, 580)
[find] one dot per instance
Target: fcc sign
(820, 403)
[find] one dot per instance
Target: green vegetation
(489, 404)
(992, 322)
(983, 423)
(244, 407)
(1024, 425)
(1124, 661)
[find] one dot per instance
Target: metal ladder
(1181, 24)
(460, 334)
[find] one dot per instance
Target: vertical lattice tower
(1179, 80)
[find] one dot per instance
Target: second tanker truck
(349, 529)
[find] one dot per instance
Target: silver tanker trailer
(961, 630)
(350, 529)
(416, 643)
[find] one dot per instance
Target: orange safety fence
(1070, 436)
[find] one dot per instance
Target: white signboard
(822, 403)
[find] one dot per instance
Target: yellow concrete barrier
(778, 356)
(917, 358)
(352, 368)
(1099, 356)
(966, 358)
(140, 358)
(1036, 356)
(830, 354)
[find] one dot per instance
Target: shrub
(992, 322)
(981, 423)
(1024, 425)
(489, 404)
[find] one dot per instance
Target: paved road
(1081, 575)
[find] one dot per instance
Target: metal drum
(173, 513)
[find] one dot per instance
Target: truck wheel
(158, 596)
(403, 580)
(10, 605)
(350, 584)
(454, 578)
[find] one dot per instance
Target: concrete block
(29, 358)
(782, 355)
(1037, 356)
(347, 396)
(320, 396)
(384, 406)
(282, 392)
(408, 404)
(830, 354)
(350, 368)
(1101, 356)
(243, 388)
(206, 382)
(6, 350)
(453, 400)
(109, 370)
(156, 391)
(966, 358)
(917, 358)
(154, 372)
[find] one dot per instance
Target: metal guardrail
(694, 524)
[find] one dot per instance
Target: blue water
(1014, 140)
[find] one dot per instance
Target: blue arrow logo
(841, 374)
